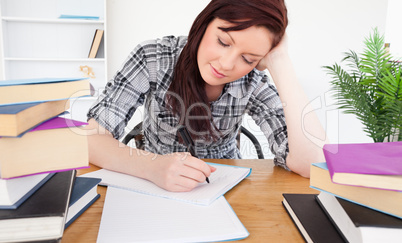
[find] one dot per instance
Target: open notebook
(222, 180)
(130, 216)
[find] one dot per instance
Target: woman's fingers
(198, 165)
(180, 172)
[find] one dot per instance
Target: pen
(185, 135)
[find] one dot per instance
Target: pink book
(377, 165)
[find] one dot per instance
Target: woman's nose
(227, 61)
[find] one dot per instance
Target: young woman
(206, 82)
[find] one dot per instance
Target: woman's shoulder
(173, 41)
(165, 44)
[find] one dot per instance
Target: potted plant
(371, 89)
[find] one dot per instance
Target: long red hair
(187, 83)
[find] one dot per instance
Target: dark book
(309, 218)
(13, 192)
(18, 118)
(84, 195)
(358, 223)
(42, 216)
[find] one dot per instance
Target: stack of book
(39, 153)
(360, 195)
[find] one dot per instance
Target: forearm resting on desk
(173, 172)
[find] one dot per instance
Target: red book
(377, 165)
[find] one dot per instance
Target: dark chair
(136, 134)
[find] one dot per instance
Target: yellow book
(386, 201)
(18, 118)
(43, 89)
(56, 145)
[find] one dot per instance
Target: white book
(358, 223)
(222, 180)
(13, 192)
(136, 217)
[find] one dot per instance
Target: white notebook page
(222, 180)
(132, 217)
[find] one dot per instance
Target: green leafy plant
(371, 89)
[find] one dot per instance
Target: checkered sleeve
(125, 92)
(266, 110)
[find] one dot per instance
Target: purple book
(377, 165)
(58, 122)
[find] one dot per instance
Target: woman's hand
(278, 51)
(173, 172)
(178, 171)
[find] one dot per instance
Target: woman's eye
(221, 43)
(247, 61)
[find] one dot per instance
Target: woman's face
(224, 57)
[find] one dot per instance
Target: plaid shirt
(144, 80)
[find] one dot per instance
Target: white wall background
(319, 32)
(393, 33)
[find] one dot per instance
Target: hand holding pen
(188, 141)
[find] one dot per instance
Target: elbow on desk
(301, 165)
(302, 170)
(300, 160)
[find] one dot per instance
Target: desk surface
(257, 201)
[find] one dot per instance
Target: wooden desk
(257, 201)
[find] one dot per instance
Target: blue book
(68, 16)
(18, 118)
(13, 192)
(84, 194)
(15, 109)
(20, 91)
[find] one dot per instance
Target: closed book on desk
(42, 89)
(360, 224)
(310, 219)
(385, 201)
(42, 216)
(18, 118)
(15, 191)
(376, 165)
(55, 145)
(84, 195)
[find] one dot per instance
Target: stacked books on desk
(39, 152)
(361, 190)
(138, 209)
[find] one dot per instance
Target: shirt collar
(246, 84)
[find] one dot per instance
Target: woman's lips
(216, 73)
